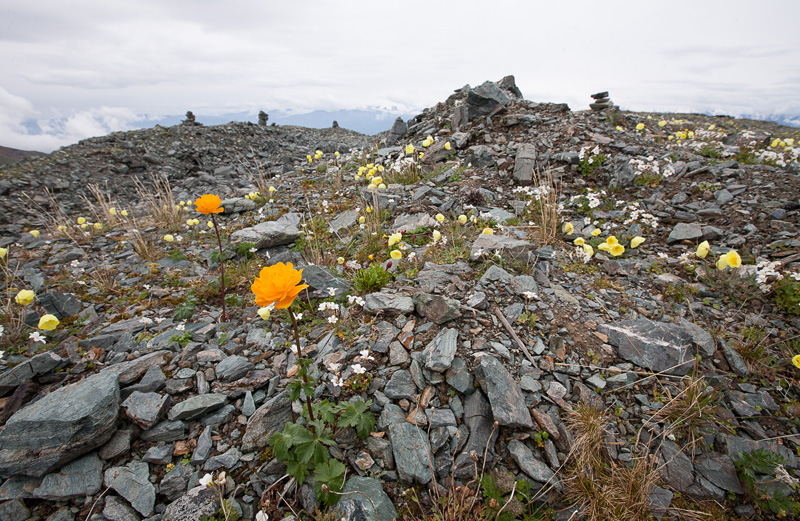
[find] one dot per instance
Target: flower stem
(299, 355)
(221, 268)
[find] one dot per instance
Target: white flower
(337, 381)
(332, 292)
(332, 319)
(1, 354)
(221, 478)
(299, 316)
(146, 286)
(365, 355)
(261, 516)
(159, 320)
(146, 321)
(529, 295)
(180, 327)
(252, 250)
(334, 367)
(206, 480)
(358, 369)
(2, 329)
(663, 256)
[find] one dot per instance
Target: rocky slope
(488, 351)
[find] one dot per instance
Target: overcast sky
(79, 68)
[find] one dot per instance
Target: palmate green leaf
(325, 411)
(298, 470)
(330, 473)
(358, 415)
(281, 443)
(293, 389)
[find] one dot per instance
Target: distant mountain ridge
(9, 156)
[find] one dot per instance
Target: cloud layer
(88, 67)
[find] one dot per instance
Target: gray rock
(397, 354)
(437, 309)
(700, 337)
(227, 460)
(133, 370)
(237, 205)
(438, 355)
(479, 421)
(175, 482)
(204, 447)
(675, 467)
(621, 172)
(373, 489)
(734, 359)
(458, 376)
(685, 232)
(411, 451)
(62, 426)
(133, 483)
(485, 99)
(197, 406)
(268, 418)
(119, 444)
(117, 509)
(508, 247)
(233, 368)
(198, 502)
(320, 278)
(249, 404)
(283, 230)
(80, 478)
(62, 514)
(660, 499)
(66, 255)
(658, 346)
(343, 221)
(62, 305)
(440, 418)
(719, 470)
(390, 414)
(524, 458)
(388, 304)
(496, 274)
(524, 164)
(14, 510)
(145, 409)
(159, 454)
(400, 385)
(152, 381)
(24, 372)
(505, 395)
(165, 431)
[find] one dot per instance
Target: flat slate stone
(133, 483)
(268, 418)
(411, 450)
(373, 489)
(283, 230)
(685, 232)
(658, 346)
(524, 458)
(80, 478)
(505, 395)
(197, 406)
(233, 368)
(440, 352)
(62, 426)
(400, 385)
(719, 470)
(438, 309)
(507, 246)
(145, 409)
(388, 304)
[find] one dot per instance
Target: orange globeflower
(278, 284)
(208, 204)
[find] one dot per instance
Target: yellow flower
(48, 322)
(3, 253)
(702, 249)
(189, 222)
(377, 180)
(382, 186)
(210, 224)
(662, 123)
(169, 238)
(421, 155)
(619, 128)
(568, 228)
(440, 217)
(596, 232)
(636, 241)
(372, 186)
(394, 238)
(24, 297)
(612, 240)
(336, 154)
(790, 141)
(361, 219)
(81, 220)
(796, 361)
(62, 228)
(340, 260)
(278, 284)
(640, 126)
(409, 149)
(617, 250)
(733, 259)
(98, 226)
(209, 204)
(722, 262)
(670, 138)
(183, 203)
(447, 146)
(368, 209)
(264, 313)
(427, 142)
(588, 249)
(112, 211)
(604, 246)
(309, 159)
(712, 127)
(436, 235)
(579, 241)
(396, 255)
(488, 231)
(84, 226)
(35, 233)
(462, 219)
(775, 142)
(690, 134)
(124, 213)
(271, 189)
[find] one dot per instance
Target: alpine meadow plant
(211, 205)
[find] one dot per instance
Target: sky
(84, 68)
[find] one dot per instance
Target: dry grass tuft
(160, 203)
(545, 208)
(601, 487)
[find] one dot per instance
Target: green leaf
(330, 473)
(325, 411)
(293, 390)
(358, 415)
(297, 470)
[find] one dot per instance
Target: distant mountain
(9, 156)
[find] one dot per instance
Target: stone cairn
(190, 119)
(601, 102)
(262, 118)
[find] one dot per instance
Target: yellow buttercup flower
(84, 226)
(340, 260)
(604, 246)
(462, 219)
(24, 297)
(440, 217)
(796, 361)
(361, 219)
(596, 232)
(488, 231)
(112, 211)
(336, 154)
(722, 262)
(617, 250)
(124, 213)
(712, 127)
(81, 220)
(35, 233)
(3, 253)
(436, 235)
(733, 259)
(620, 128)
(396, 255)
(272, 189)
(421, 155)
(612, 240)
(169, 238)
(48, 322)
(568, 228)
(640, 126)
(702, 249)
(394, 239)
(662, 123)
(62, 228)
(98, 226)
(210, 224)
(579, 241)
(636, 241)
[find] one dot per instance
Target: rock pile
(601, 102)
(479, 352)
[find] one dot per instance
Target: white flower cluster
(355, 299)
(766, 274)
(333, 306)
(584, 255)
(591, 197)
(650, 165)
(595, 151)
(535, 193)
(636, 214)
